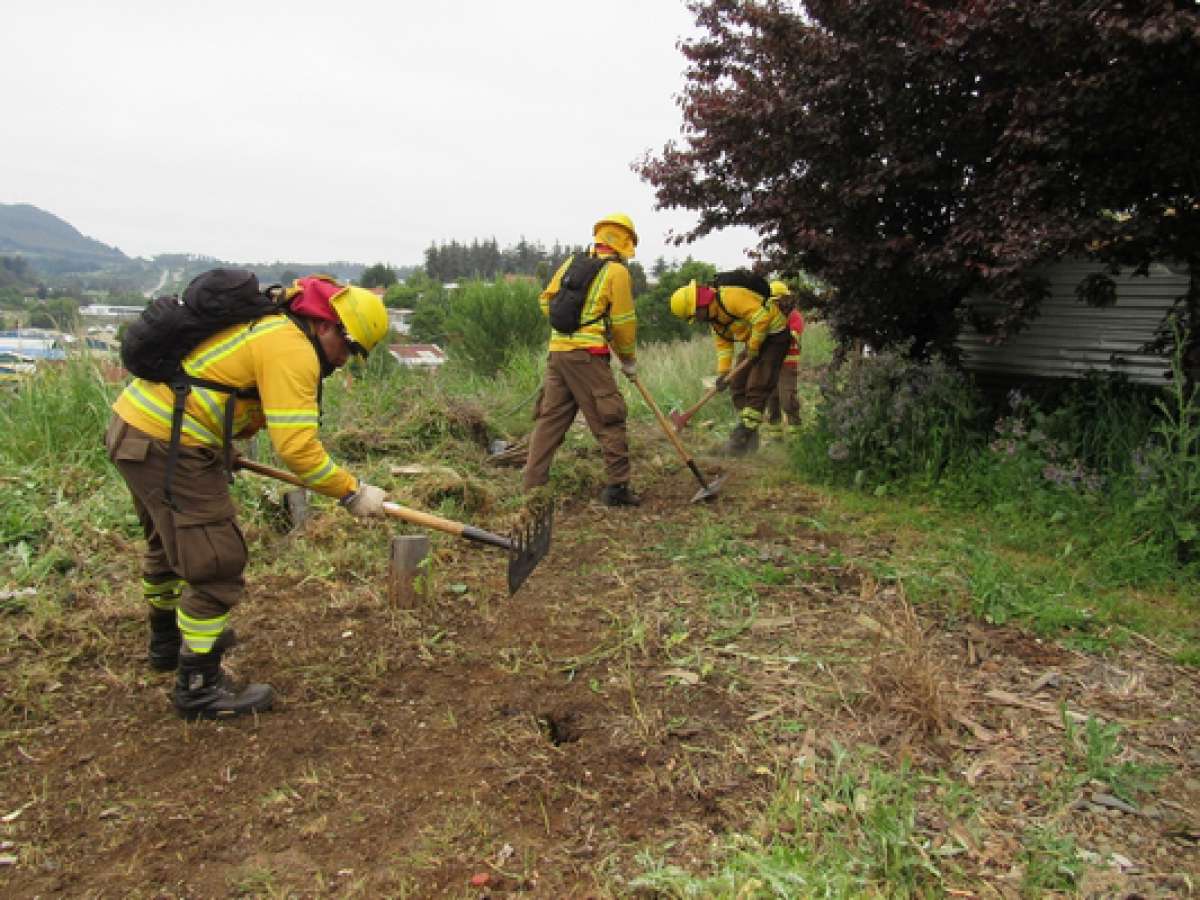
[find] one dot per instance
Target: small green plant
(1094, 755)
(1051, 862)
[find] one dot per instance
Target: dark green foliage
(485, 322)
(60, 314)
(428, 322)
(886, 417)
(913, 153)
(655, 322)
(454, 261)
(378, 275)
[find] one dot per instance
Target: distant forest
(455, 261)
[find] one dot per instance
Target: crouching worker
(738, 309)
(589, 302)
(171, 445)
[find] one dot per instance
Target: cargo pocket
(209, 551)
(537, 403)
(125, 445)
(610, 407)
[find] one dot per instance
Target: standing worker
(738, 309)
(589, 302)
(270, 372)
(785, 399)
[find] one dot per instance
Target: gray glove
(366, 501)
(722, 382)
(629, 367)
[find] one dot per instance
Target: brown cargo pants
(202, 543)
(785, 400)
(753, 387)
(577, 380)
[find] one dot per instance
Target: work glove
(629, 367)
(366, 501)
(722, 382)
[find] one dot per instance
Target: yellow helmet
(780, 289)
(363, 316)
(618, 232)
(683, 301)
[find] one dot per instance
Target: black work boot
(619, 495)
(741, 442)
(203, 690)
(164, 640)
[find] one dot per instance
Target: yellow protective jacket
(738, 315)
(610, 299)
(271, 354)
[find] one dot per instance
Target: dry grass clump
(906, 677)
(470, 495)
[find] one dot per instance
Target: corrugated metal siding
(1070, 338)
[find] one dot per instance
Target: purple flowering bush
(887, 417)
(1022, 440)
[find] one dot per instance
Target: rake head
(529, 545)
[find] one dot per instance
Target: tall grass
(56, 418)
(55, 470)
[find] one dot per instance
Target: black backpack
(744, 278)
(566, 307)
(171, 327)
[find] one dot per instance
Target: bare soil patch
(545, 740)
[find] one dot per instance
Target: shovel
(680, 419)
(526, 546)
(708, 490)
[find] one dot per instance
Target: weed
(907, 678)
(1051, 862)
(1094, 755)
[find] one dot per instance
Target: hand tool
(526, 546)
(708, 490)
(680, 419)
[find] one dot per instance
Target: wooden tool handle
(667, 427)
(712, 392)
(416, 517)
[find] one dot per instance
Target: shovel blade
(710, 490)
(530, 544)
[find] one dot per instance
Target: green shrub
(488, 322)
(887, 417)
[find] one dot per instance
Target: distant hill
(51, 244)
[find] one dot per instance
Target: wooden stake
(408, 580)
(297, 507)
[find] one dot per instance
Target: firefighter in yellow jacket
(738, 314)
(578, 370)
(192, 570)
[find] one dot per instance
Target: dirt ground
(539, 744)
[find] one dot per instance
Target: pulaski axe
(526, 547)
(680, 419)
(708, 489)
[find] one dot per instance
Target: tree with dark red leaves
(911, 153)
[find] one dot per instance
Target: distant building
(399, 320)
(108, 313)
(418, 356)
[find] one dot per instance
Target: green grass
(1054, 576)
(848, 829)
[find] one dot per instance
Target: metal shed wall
(1068, 339)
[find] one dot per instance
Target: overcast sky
(259, 130)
